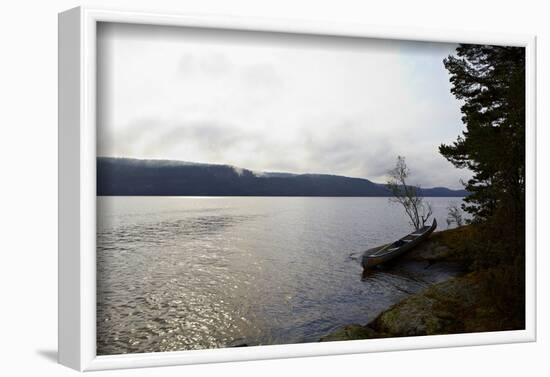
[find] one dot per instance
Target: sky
(276, 102)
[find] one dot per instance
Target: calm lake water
(179, 273)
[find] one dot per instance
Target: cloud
(213, 64)
(150, 138)
(262, 76)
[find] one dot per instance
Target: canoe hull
(376, 256)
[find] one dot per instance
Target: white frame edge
(77, 191)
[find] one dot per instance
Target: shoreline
(462, 303)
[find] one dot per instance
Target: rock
(351, 332)
(414, 316)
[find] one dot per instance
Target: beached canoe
(381, 254)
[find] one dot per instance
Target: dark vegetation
(124, 176)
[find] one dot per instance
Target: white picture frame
(77, 191)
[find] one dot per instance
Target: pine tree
(490, 80)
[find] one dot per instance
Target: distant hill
(133, 177)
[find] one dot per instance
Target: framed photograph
(238, 189)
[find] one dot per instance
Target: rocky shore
(464, 303)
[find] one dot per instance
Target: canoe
(381, 254)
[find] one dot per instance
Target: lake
(180, 273)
